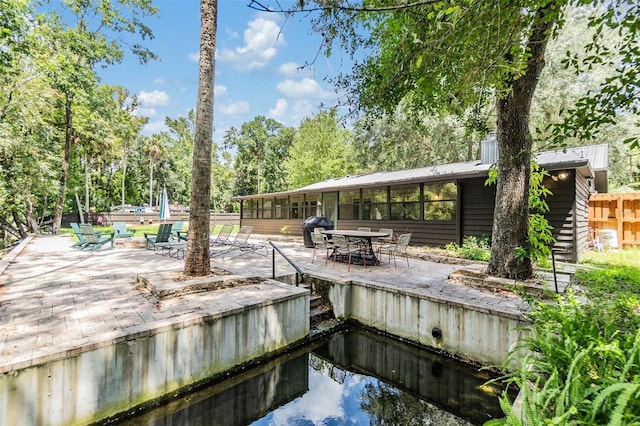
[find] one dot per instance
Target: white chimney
(489, 149)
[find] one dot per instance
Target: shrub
(473, 248)
(583, 362)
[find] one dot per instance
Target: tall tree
(196, 261)
(321, 150)
(80, 41)
(261, 147)
(432, 54)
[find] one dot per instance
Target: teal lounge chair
(78, 233)
(94, 241)
(163, 236)
(121, 231)
(177, 231)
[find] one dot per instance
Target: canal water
(354, 377)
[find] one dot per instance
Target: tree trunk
(62, 189)
(511, 217)
(86, 184)
(197, 260)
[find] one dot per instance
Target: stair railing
(299, 272)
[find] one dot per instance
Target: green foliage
(472, 248)
(539, 236)
(583, 362)
(320, 150)
(261, 148)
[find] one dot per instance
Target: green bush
(473, 248)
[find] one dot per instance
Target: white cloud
(235, 108)
(260, 38)
(194, 57)
(220, 90)
(292, 69)
(159, 81)
(155, 98)
(307, 87)
(279, 110)
(145, 112)
(301, 109)
(154, 127)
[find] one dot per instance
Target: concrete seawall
(476, 332)
(114, 376)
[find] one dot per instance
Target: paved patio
(56, 300)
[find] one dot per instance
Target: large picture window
(296, 207)
(440, 201)
(349, 205)
(405, 202)
(374, 204)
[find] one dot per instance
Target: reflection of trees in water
(388, 405)
(328, 369)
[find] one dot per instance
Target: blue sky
(257, 67)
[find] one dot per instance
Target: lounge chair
(163, 236)
(223, 237)
(120, 228)
(240, 245)
(93, 240)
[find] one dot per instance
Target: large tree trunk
(62, 189)
(197, 258)
(511, 217)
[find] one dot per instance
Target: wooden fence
(617, 212)
(147, 218)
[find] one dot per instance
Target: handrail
(291, 262)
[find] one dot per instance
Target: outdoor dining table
(363, 238)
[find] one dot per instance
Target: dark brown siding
(561, 215)
(582, 216)
(478, 203)
(422, 233)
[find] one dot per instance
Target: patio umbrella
(164, 213)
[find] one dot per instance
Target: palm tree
(197, 258)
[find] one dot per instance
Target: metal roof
(586, 159)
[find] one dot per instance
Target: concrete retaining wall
(108, 379)
(469, 332)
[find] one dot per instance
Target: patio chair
(78, 233)
(397, 248)
(342, 247)
(364, 229)
(177, 229)
(93, 240)
(384, 240)
(320, 242)
(121, 231)
(163, 236)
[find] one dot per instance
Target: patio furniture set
(361, 246)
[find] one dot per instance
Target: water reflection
(354, 378)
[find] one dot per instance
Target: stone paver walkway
(55, 300)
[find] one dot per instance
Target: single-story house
(438, 204)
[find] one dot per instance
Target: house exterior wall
(568, 216)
